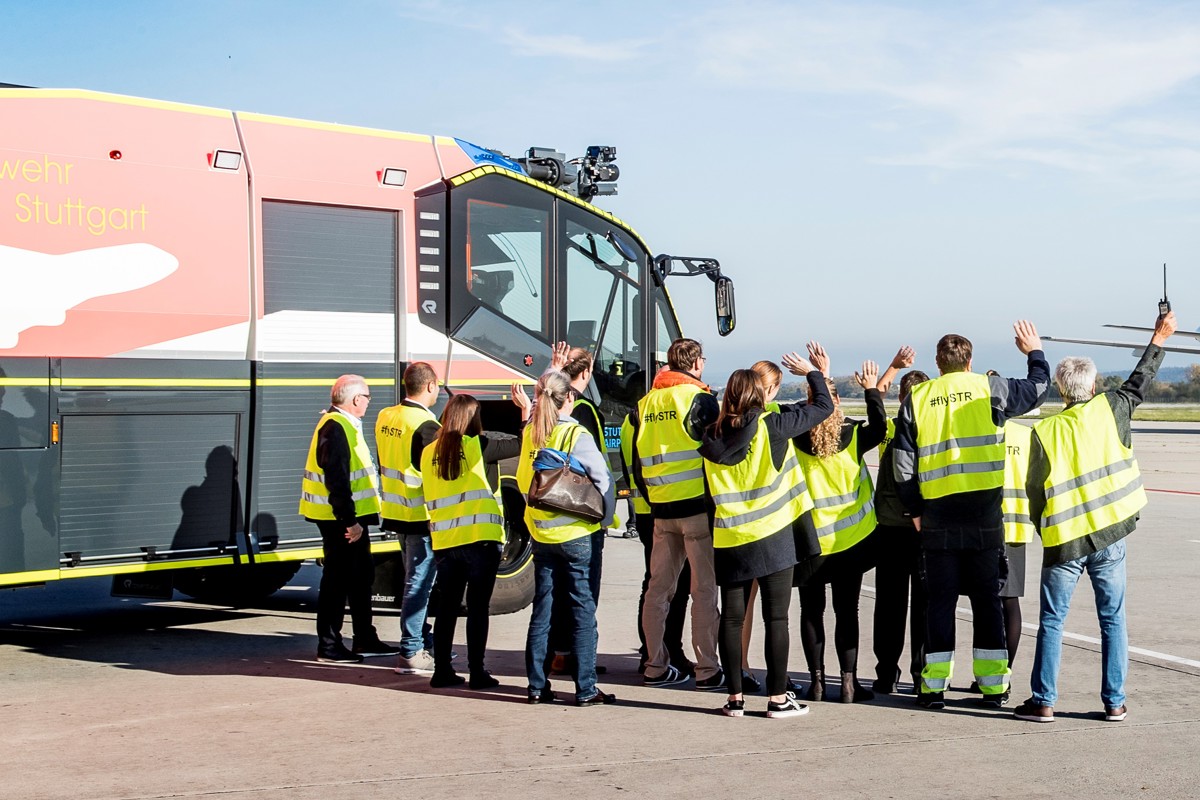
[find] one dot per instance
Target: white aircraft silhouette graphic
(40, 288)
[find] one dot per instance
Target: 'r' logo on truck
(429, 306)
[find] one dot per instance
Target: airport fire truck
(183, 284)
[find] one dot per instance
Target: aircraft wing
(1190, 334)
(1136, 348)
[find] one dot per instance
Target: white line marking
(1187, 662)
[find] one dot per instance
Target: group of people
(745, 498)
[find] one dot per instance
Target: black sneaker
(974, 688)
(669, 678)
(338, 654)
(442, 680)
(539, 698)
(885, 685)
(713, 684)
(483, 680)
(931, 700)
(750, 683)
(734, 708)
(598, 699)
(372, 649)
(790, 707)
(996, 700)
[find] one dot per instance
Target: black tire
(514, 579)
(239, 585)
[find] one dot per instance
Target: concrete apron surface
(108, 698)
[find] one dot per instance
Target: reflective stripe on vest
(364, 485)
(463, 510)
(546, 526)
(399, 477)
(842, 495)
(1018, 528)
(959, 447)
(672, 470)
(640, 506)
(753, 499)
(1094, 481)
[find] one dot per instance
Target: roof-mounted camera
(585, 177)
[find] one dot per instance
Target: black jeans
(677, 614)
(974, 573)
(346, 577)
(775, 595)
(470, 568)
(898, 569)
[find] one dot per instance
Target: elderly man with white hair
(1085, 495)
(340, 493)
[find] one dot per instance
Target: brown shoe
(1034, 712)
(1115, 714)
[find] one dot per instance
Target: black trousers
(898, 569)
(470, 568)
(346, 577)
(775, 595)
(974, 573)
(677, 613)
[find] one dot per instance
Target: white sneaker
(419, 663)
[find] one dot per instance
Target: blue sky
(870, 174)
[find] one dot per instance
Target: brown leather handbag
(560, 485)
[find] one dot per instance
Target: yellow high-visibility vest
(548, 527)
(640, 506)
(754, 499)
(463, 510)
(399, 477)
(887, 439)
(959, 447)
(842, 495)
(1094, 481)
(672, 470)
(364, 485)
(1018, 528)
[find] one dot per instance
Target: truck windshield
(603, 308)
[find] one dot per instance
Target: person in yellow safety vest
(759, 493)
(466, 529)
(562, 544)
(948, 462)
(898, 558)
(669, 473)
(677, 614)
(1018, 531)
(401, 432)
(577, 363)
(1085, 495)
(832, 456)
(340, 493)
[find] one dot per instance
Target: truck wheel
(514, 579)
(237, 585)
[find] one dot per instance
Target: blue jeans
(566, 567)
(1106, 569)
(416, 634)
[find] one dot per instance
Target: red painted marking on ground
(1173, 491)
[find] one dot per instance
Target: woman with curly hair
(832, 458)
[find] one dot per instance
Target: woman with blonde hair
(832, 457)
(562, 544)
(758, 492)
(466, 530)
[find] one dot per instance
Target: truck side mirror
(726, 315)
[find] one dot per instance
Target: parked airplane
(1139, 347)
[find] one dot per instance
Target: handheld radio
(1164, 305)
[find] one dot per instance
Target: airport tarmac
(118, 698)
